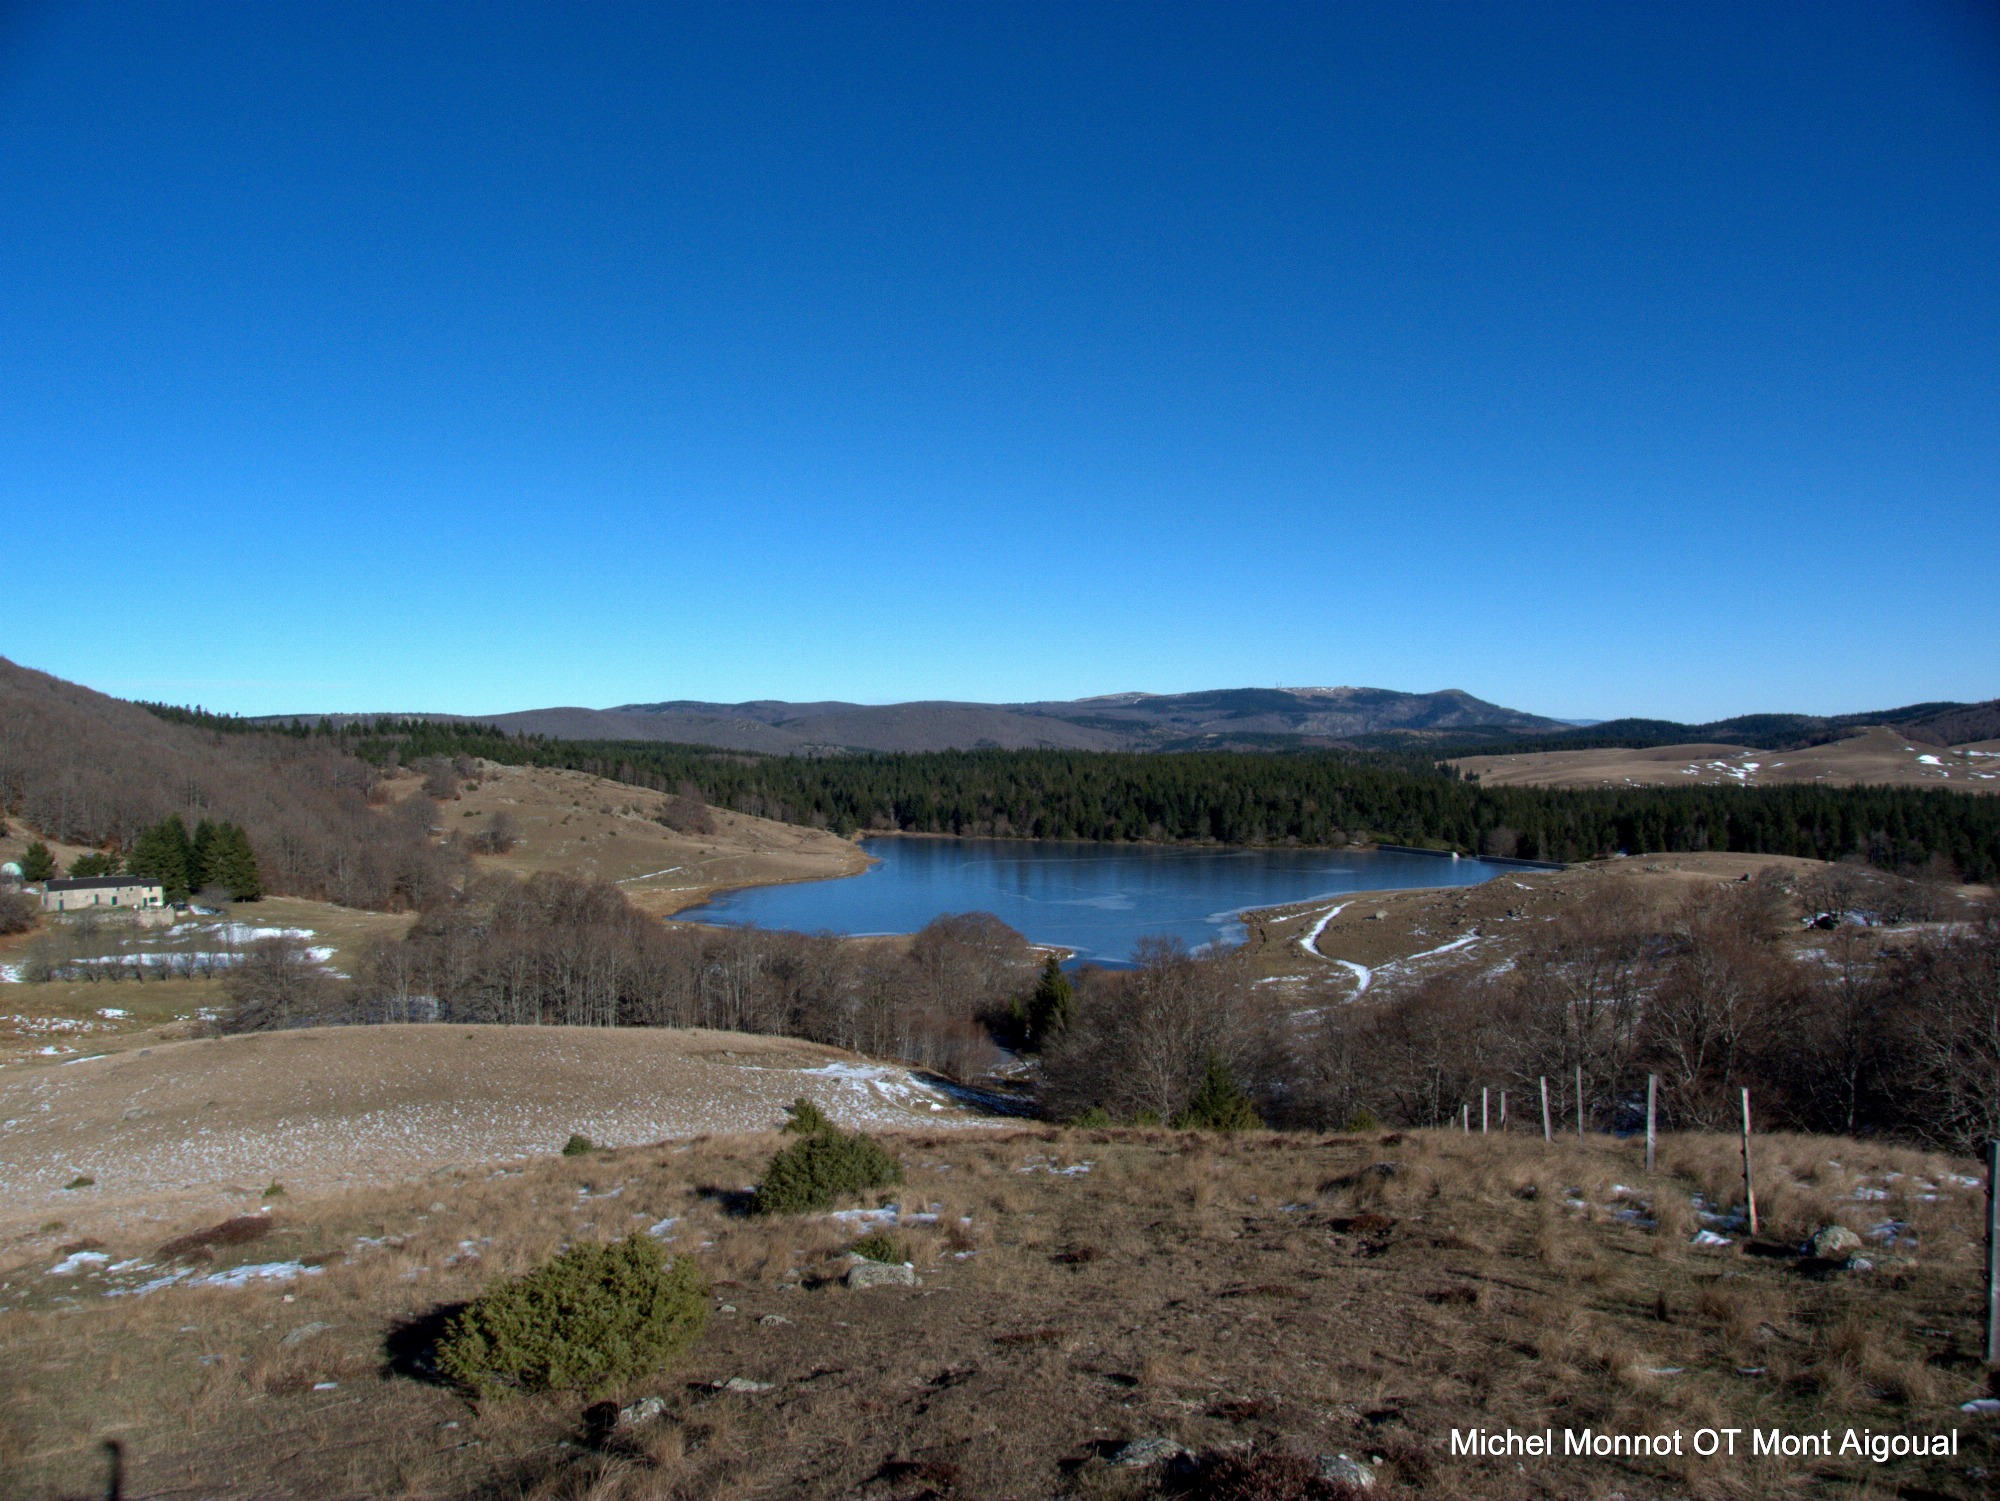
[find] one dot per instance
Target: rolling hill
(1222, 719)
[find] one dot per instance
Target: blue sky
(1596, 359)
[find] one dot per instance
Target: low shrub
(81, 1180)
(880, 1247)
(578, 1145)
(1218, 1104)
(807, 1118)
(592, 1319)
(821, 1167)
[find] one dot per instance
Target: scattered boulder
(882, 1274)
(744, 1384)
(303, 1333)
(642, 1411)
(772, 1320)
(1833, 1243)
(1341, 1470)
(1140, 1453)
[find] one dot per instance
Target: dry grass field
(203, 1127)
(1257, 1295)
(592, 828)
(1876, 756)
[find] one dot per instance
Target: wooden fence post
(1503, 1110)
(1548, 1136)
(1652, 1114)
(1993, 1253)
(1579, 1104)
(1749, 1184)
(1468, 1118)
(1484, 1117)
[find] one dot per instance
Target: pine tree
(236, 865)
(1049, 1006)
(1218, 1104)
(37, 864)
(164, 853)
(93, 863)
(202, 855)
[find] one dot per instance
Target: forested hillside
(1245, 798)
(84, 768)
(1931, 724)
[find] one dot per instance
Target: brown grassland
(1358, 1294)
(596, 829)
(1876, 756)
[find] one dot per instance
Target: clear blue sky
(1597, 359)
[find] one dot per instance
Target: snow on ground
(1310, 942)
(1363, 975)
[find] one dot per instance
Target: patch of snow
(1709, 1238)
(112, 1013)
(257, 1271)
(236, 932)
(77, 1261)
(1310, 941)
(1363, 975)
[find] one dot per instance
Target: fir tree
(93, 863)
(37, 864)
(1049, 1006)
(201, 857)
(235, 867)
(1218, 1104)
(164, 853)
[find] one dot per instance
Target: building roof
(87, 883)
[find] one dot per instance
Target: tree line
(1880, 1032)
(556, 950)
(1305, 798)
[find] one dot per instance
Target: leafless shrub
(1139, 1041)
(279, 983)
(499, 836)
(18, 912)
(687, 812)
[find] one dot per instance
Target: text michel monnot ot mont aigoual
(1755, 1443)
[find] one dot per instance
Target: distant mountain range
(1446, 722)
(1230, 718)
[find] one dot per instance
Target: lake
(1098, 899)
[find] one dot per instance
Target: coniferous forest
(1307, 798)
